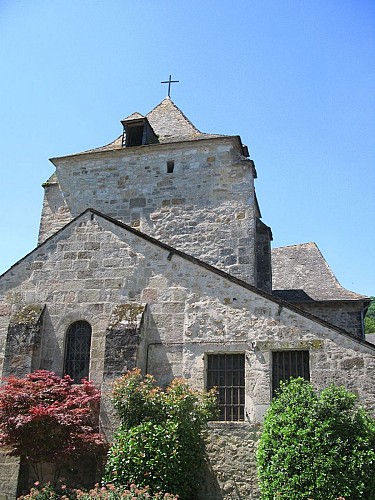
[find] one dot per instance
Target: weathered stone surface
(152, 306)
(192, 311)
(23, 340)
(122, 339)
(348, 316)
(231, 471)
(138, 190)
(9, 468)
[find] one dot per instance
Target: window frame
(71, 347)
(235, 410)
(293, 370)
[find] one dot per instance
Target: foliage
(316, 446)
(369, 325)
(371, 309)
(43, 404)
(160, 440)
(370, 317)
(109, 492)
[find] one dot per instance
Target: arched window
(77, 351)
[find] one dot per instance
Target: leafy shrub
(109, 492)
(370, 317)
(369, 324)
(315, 446)
(160, 440)
(145, 453)
(43, 404)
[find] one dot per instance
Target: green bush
(160, 441)
(370, 317)
(369, 324)
(316, 446)
(146, 454)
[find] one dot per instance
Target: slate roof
(169, 124)
(133, 116)
(301, 274)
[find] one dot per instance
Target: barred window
(226, 372)
(286, 364)
(77, 351)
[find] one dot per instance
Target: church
(152, 253)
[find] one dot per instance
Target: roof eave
(236, 138)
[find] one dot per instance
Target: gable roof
(167, 121)
(173, 251)
(171, 125)
(133, 116)
(301, 274)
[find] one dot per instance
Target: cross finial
(169, 84)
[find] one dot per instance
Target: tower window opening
(170, 166)
(134, 136)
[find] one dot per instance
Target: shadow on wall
(210, 486)
(163, 360)
(82, 474)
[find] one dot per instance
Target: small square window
(134, 135)
(286, 364)
(226, 372)
(170, 166)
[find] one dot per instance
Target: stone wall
(204, 207)
(231, 469)
(92, 265)
(22, 349)
(123, 340)
(263, 256)
(192, 310)
(345, 315)
(9, 470)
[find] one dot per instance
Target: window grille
(226, 372)
(77, 352)
(286, 364)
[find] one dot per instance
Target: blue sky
(294, 78)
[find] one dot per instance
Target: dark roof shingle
(167, 121)
(300, 273)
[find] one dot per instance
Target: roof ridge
(133, 116)
(307, 243)
(158, 120)
(177, 109)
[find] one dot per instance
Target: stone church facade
(152, 253)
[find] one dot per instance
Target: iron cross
(169, 84)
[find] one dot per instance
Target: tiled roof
(167, 120)
(133, 116)
(169, 124)
(300, 273)
(116, 144)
